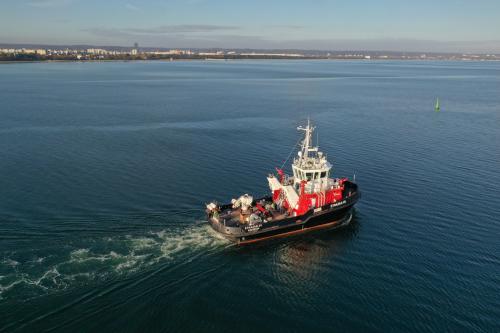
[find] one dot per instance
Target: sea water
(105, 168)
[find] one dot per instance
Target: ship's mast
(306, 144)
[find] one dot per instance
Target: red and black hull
(328, 221)
(330, 216)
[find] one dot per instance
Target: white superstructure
(311, 165)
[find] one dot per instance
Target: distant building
(97, 51)
(254, 54)
(135, 50)
(218, 53)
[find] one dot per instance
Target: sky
(391, 25)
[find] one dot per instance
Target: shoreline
(237, 59)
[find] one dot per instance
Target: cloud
(181, 28)
(49, 3)
(132, 7)
(226, 36)
(287, 26)
(108, 33)
(160, 30)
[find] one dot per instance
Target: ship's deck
(235, 217)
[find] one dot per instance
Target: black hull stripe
(303, 229)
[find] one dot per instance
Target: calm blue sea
(105, 169)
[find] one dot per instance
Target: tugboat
(308, 200)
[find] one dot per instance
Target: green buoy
(437, 108)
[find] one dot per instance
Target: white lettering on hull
(338, 204)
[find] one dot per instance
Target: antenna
(306, 144)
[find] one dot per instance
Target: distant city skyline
(427, 26)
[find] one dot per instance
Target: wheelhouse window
(323, 174)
